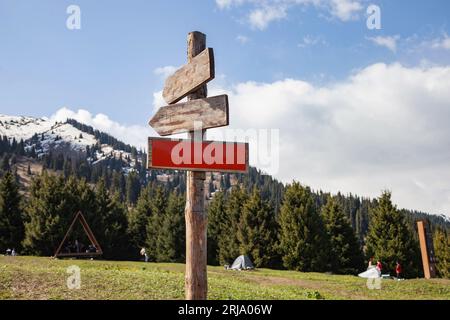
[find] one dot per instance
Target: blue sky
(107, 66)
(324, 75)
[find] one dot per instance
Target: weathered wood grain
(178, 118)
(190, 77)
(196, 279)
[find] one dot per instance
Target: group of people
(11, 252)
(78, 247)
(379, 267)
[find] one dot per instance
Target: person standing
(370, 263)
(144, 253)
(379, 267)
(398, 270)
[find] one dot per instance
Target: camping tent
(242, 263)
(371, 273)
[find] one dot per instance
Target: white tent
(371, 273)
(242, 263)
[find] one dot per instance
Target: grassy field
(45, 278)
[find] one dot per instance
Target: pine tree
(113, 237)
(257, 230)
(216, 216)
(389, 238)
(133, 187)
(441, 241)
(158, 207)
(138, 219)
(345, 253)
(48, 215)
(170, 244)
(11, 221)
(4, 166)
(302, 237)
(228, 241)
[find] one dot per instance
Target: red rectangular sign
(214, 156)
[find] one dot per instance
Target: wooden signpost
(194, 154)
(190, 77)
(179, 118)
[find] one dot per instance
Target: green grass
(45, 278)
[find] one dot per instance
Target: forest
(278, 226)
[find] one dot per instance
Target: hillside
(73, 148)
(138, 281)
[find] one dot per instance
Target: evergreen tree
(389, 238)
(216, 217)
(114, 237)
(441, 241)
(302, 237)
(11, 223)
(138, 219)
(4, 166)
(133, 187)
(257, 231)
(228, 241)
(170, 244)
(158, 208)
(48, 215)
(345, 253)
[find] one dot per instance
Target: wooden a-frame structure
(79, 216)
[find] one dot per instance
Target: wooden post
(195, 215)
(426, 249)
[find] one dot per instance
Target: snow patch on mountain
(45, 135)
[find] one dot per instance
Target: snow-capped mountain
(45, 135)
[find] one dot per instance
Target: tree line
(303, 236)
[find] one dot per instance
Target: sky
(346, 107)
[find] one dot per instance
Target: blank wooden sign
(181, 117)
(190, 77)
(213, 156)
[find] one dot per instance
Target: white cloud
(345, 10)
(263, 12)
(242, 39)
(225, 4)
(441, 43)
(165, 71)
(386, 126)
(261, 17)
(389, 42)
(311, 41)
(135, 135)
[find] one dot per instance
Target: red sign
(191, 155)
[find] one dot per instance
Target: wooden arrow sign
(190, 77)
(181, 154)
(178, 118)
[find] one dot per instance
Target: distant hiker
(144, 253)
(398, 270)
(13, 252)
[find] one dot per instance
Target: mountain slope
(44, 136)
